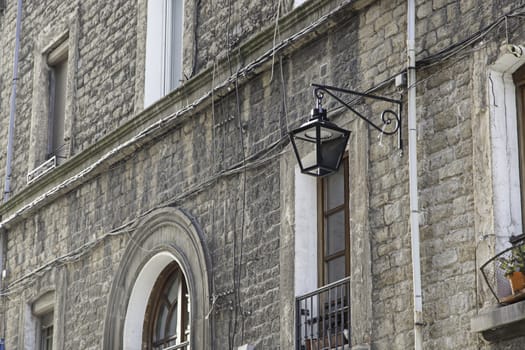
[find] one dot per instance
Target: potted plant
(513, 266)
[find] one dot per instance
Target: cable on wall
(274, 151)
(251, 161)
(276, 33)
(195, 36)
(457, 47)
(242, 75)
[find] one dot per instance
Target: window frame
(154, 305)
(519, 81)
(49, 45)
(43, 322)
(45, 331)
(57, 62)
(163, 72)
(322, 214)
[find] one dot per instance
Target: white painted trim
(505, 152)
(305, 233)
(297, 3)
(138, 301)
(44, 304)
(163, 66)
(153, 80)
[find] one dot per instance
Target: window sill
(500, 322)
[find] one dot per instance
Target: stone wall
(223, 164)
(104, 90)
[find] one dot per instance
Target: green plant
(515, 262)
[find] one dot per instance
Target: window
(52, 100)
(501, 179)
(519, 81)
(141, 278)
(498, 177)
(333, 226)
(323, 316)
(41, 323)
(163, 48)
(167, 315)
(57, 61)
(46, 332)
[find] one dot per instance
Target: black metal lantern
(319, 144)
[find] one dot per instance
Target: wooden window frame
(154, 307)
(519, 81)
(322, 214)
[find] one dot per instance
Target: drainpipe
(11, 132)
(10, 138)
(412, 163)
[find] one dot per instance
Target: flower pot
(517, 281)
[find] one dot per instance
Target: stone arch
(164, 236)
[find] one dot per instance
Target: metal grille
(323, 318)
(495, 270)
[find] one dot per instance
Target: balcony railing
(495, 270)
(181, 346)
(323, 318)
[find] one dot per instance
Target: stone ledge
(500, 323)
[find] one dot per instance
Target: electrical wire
(148, 133)
(285, 97)
(128, 227)
(459, 49)
(243, 209)
(248, 162)
(479, 35)
(276, 33)
(243, 74)
(195, 37)
(228, 48)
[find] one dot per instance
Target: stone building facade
(171, 187)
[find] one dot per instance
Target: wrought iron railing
(496, 270)
(323, 318)
(182, 346)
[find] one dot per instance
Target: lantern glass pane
(307, 153)
(331, 152)
(319, 146)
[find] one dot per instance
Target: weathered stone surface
(246, 213)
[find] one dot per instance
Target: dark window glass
(46, 332)
(334, 226)
(167, 316)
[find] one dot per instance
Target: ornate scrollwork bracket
(391, 119)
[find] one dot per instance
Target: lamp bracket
(391, 119)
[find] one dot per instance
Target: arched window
(166, 324)
(160, 295)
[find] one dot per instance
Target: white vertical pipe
(11, 131)
(412, 163)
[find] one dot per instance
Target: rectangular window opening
(57, 61)
(334, 226)
(46, 332)
(164, 36)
